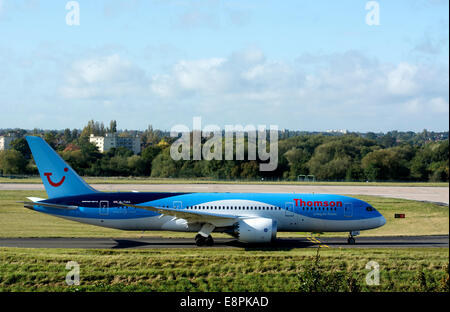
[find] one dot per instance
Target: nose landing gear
(351, 239)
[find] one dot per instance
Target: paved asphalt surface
(282, 243)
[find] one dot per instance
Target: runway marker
(317, 241)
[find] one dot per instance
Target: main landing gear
(203, 238)
(351, 239)
(200, 240)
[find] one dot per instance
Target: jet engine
(255, 230)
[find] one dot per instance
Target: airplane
(249, 217)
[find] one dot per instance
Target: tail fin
(58, 177)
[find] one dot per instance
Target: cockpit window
(369, 208)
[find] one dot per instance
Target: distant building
(5, 141)
(112, 140)
(343, 131)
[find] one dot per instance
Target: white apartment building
(112, 140)
(5, 141)
(343, 131)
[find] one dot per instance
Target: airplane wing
(31, 205)
(190, 216)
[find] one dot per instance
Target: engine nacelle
(256, 230)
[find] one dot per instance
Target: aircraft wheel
(351, 241)
(209, 241)
(200, 240)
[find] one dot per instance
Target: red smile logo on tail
(48, 174)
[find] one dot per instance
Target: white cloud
(107, 76)
(402, 80)
(245, 74)
(318, 82)
(439, 105)
(413, 106)
(106, 69)
(338, 88)
(161, 85)
(418, 106)
(204, 75)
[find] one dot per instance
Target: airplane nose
(381, 220)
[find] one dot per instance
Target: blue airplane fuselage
(293, 212)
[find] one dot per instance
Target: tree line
(395, 156)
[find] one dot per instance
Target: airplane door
(177, 204)
(104, 205)
(289, 209)
(348, 210)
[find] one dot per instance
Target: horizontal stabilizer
(35, 199)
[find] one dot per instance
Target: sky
(301, 65)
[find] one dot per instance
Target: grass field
(16, 221)
(224, 270)
(140, 180)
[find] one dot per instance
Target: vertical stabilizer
(58, 177)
